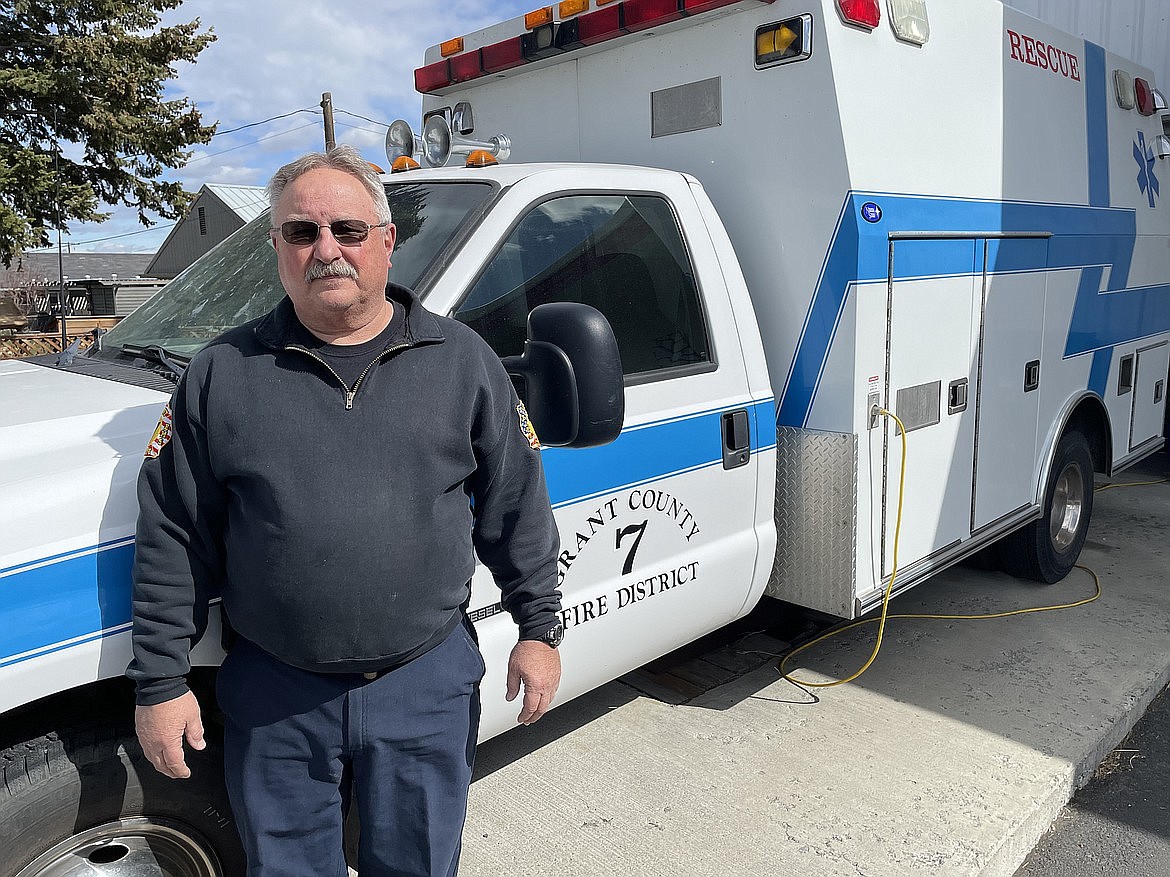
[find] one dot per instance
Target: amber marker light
(451, 47)
(538, 17)
(783, 41)
(481, 158)
(569, 8)
(403, 163)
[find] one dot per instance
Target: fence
(37, 344)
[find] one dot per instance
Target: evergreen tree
(90, 73)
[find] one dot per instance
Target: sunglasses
(347, 232)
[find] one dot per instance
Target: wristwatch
(553, 636)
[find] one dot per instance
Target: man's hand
(538, 666)
(161, 729)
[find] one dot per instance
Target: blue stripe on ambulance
(1087, 237)
(79, 596)
(647, 453)
(84, 595)
(1097, 132)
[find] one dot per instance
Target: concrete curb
(1006, 860)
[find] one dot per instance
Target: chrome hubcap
(1068, 504)
(140, 847)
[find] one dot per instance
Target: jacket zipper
(350, 393)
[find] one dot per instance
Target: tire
(86, 802)
(1047, 549)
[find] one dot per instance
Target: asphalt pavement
(1119, 824)
(952, 755)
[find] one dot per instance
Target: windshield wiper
(175, 363)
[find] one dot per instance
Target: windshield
(237, 281)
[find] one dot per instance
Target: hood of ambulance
(71, 446)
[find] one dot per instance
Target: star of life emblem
(162, 434)
(1144, 156)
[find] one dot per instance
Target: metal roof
(248, 202)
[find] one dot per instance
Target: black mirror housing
(572, 376)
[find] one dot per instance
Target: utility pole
(327, 108)
(60, 257)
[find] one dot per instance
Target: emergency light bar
(546, 37)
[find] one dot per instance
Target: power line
(358, 128)
(249, 143)
(363, 118)
(266, 121)
(310, 110)
(127, 234)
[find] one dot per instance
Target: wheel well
(1091, 420)
(111, 699)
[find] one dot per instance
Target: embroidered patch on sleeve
(162, 434)
(526, 427)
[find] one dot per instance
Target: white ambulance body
(959, 230)
(950, 229)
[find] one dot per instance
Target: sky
(273, 58)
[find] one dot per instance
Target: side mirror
(572, 376)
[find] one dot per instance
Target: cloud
(272, 58)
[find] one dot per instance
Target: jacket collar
(277, 329)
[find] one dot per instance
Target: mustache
(336, 268)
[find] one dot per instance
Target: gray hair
(340, 158)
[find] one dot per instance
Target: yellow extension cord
(885, 616)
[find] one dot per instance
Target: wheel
(86, 802)
(1046, 549)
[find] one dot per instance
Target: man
(333, 467)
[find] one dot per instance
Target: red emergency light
(1144, 95)
(866, 13)
(643, 14)
(466, 66)
(604, 24)
(694, 7)
(432, 77)
(502, 56)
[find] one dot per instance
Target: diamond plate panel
(816, 511)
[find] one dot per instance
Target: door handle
(737, 438)
(957, 396)
(1031, 375)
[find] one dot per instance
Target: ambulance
(765, 272)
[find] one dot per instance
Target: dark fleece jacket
(342, 539)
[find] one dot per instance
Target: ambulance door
(1007, 395)
(932, 303)
(1149, 394)
(658, 542)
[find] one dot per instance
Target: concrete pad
(950, 756)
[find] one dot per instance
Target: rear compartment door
(1149, 393)
(1007, 397)
(933, 305)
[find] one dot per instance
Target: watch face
(554, 635)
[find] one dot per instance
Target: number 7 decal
(640, 529)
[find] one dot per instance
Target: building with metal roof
(96, 284)
(217, 211)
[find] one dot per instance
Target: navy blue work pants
(297, 743)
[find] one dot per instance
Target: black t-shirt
(350, 360)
